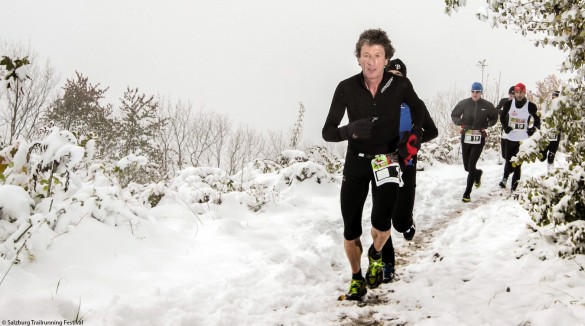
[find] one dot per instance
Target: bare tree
(441, 107)
(201, 140)
(182, 132)
(544, 90)
(220, 128)
(245, 144)
(22, 106)
(275, 144)
(164, 137)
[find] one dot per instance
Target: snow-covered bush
(320, 155)
(260, 186)
(442, 149)
(144, 195)
(135, 168)
(199, 187)
(15, 209)
(43, 166)
(300, 172)
(558, 199)
(290, 157)
(56, 173)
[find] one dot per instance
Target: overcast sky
(256, 60)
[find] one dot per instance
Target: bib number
(472, 137)
(386, 169)
(516, 123)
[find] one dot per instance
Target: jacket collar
(385, 79)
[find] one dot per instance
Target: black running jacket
(351, 95)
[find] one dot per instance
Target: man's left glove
(531, 131)
(409, 145)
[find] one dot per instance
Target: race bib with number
(386, 169)
(517, 123)
(472, 137)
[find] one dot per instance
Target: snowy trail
(469, 265)
(285, 265)
(435, 211)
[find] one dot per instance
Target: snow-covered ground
(480, 263)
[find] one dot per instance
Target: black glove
(359, 129)
(507, 129)
(531, 131)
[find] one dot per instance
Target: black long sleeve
(430, 130)
(352, 96)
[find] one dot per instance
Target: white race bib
(386, 169)
(472, 137)
(517, 123)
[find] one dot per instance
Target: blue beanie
(476, 87)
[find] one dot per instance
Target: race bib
(553, 136)
(386, 169)
(472, 137)
(517, 123)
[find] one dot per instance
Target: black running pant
(471, 153)
(402, 217)
(512, 148)
(357, 176)
(550, 151)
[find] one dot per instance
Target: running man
(520, 119)
(372, 100)
(474, 115)
(402, 219)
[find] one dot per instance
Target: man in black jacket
(474, 115)
(520, 119)
(372, 100)
(402, 220)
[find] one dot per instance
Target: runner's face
(475, 95)
(372, 60)
(519, 95)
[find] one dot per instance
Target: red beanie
(520, 88)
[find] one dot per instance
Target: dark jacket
(474, 115)
(430, 130)
(532, 110)
(351, 95)
(500, 105)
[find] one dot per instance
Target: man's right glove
(359, 129)
(507, 129)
